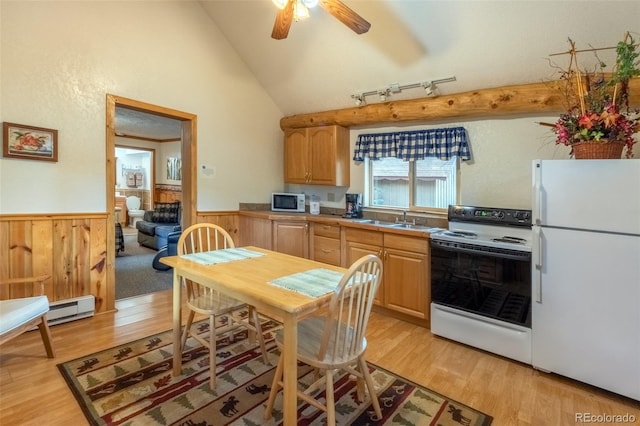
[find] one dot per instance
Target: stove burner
(462, 234)
(508, 239)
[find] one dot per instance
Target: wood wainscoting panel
(226, 219)
(71, 248)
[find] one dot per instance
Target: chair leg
(260, 336)
(187, 330)
(330, 397)
(212, 351)
(364, 369)
(46, 336)
(275, 387)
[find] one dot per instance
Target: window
(418, 185)
(413, 169)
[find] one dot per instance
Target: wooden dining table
(249, 280)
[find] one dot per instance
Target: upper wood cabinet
(317, 155)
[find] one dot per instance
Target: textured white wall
(499, 173)
(59, 60)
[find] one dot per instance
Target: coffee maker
(353, 207)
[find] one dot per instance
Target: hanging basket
(597, 150)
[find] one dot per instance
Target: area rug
(135, 275)
(132, 385)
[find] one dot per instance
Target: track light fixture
(359, 99)
(428, 86)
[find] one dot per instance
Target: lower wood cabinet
(255, 231)
(291, 237)
(325, 243)
(284, 236)
(404, 291)
(405, 284)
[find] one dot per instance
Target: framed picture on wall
(29, 143)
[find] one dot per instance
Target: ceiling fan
(291, 10)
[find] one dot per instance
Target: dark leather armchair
(157, 224)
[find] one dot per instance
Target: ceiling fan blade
(345, 15)
(284, 18)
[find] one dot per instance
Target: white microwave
(287, 202)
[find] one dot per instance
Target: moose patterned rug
(132, 385)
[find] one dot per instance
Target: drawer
(326, 230)
(326, 250)
(364, 237)
(400, 242)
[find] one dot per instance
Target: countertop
(372, 225)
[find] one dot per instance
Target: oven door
(482, 298)
(490, 282)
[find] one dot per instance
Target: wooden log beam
(524, 99)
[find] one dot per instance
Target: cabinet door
(322, 146)
(329, 158)
(405, 275)
(255, 232)
(296, 156)
(291, 238)
(355, 251)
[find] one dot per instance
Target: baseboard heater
(67, 310)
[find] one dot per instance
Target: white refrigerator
(586, 272)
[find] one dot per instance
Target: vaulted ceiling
(483, 44)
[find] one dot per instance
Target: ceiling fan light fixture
(280, 4)
(310, 3)
(300, 11)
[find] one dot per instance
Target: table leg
(177, 324)
(290, 370)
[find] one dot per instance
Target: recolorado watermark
(605, 418)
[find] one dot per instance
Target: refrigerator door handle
(537, 194)
(537, 264)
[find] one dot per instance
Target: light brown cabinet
(291, 237)
(121, 210)
(405, 283)
(325, 244)
(317, 155)
(167, 196)
(255, 231)
(284, 236)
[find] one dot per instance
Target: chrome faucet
(404, 219)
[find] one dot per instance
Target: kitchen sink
(403, 225)
(391, 224)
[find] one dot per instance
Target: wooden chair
(204, 300)
(26, 310)
(336, 341)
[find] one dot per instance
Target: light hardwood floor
(32, 391)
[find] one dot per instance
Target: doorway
(188, 154)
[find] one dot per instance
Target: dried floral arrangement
(597, 103)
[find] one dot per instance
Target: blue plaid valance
(414, 145)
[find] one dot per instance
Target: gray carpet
(135, 275)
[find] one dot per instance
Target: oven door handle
(536, 270)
